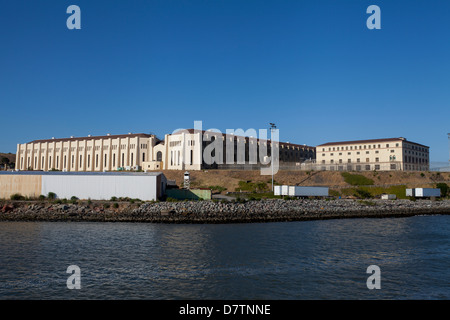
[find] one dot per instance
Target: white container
(388, 196)
(428, 192)
(297, 191)
(277, 190)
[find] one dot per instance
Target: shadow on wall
(192, 194)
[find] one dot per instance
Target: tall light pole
(272, 129)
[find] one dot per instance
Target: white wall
(101, 187)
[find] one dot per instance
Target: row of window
(88, 148)
(366, 167)
(391, 158)
(358, 152)
(175, 143)
(417, 148)
(410, 159)
(369, 167)
(175, 158)
(369, 146)
(419, 154)
(64, 165)
(81, 149)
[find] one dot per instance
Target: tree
(4, 161)
(444, 188)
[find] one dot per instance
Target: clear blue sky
(310, 66)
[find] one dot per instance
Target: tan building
(183, 150)
(377, 154)
(99, 153)
(193, 149)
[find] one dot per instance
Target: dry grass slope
(229, 179)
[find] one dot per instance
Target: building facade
(193, 149)
(377, 154)
(183, 150)
(100, 153)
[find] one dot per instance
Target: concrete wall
(26, 185)
(101, 187)
(84, 186)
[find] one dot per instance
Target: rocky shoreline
(275, 210)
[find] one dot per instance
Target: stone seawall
(221, 212)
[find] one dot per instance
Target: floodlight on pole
(272, 129)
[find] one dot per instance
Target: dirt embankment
(229, 179)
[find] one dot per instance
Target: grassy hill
(352, 184)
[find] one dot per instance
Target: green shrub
(362, 193)
(356, 179)
(115, 205)
(444, 188)
(334, 193)
(252, 186)
(399, 191)
(51, 195)
(217, 188)
(113, 198)
(17, 196)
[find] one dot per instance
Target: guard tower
(187, 180)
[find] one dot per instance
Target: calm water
(290, 260)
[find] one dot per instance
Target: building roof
(81, 173)
(129, 135)
(246, 138)
(369, 141)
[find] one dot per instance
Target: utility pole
(272, 129)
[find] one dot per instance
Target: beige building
(99, 153)
(183, 150)
(378, 154)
